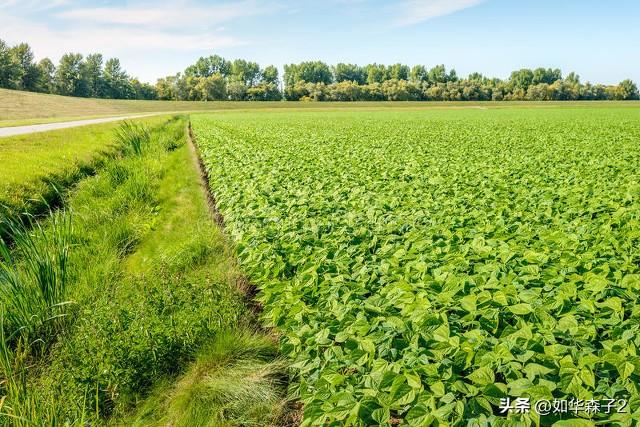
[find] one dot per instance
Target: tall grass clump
(237, 379)
(33, 282)
(33, 277)
(133, 136)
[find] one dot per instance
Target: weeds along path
(204, 178)
(38, 169)
(151, 328)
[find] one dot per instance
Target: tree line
(215, 78)
(316, 80)
(75, 75)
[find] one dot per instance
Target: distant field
(424, 265)
(23, 108)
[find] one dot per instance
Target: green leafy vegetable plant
(422, 266)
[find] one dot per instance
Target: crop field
(421, 266)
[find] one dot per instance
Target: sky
(600, 40)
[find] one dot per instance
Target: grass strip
(152, 289)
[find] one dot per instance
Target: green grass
(34, 280)
(36, 167)
(235, 380)
(422, 265)
(151, 284)
(20, 108)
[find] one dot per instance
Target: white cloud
(52, 42)
(167, 15)
(416, 11)
(34, 5)
(139, 30)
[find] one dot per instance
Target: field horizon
(19, 108)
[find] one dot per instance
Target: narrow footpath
(44, 127)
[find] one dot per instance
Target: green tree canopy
(349, 73)
(68, 77)
(270, 75)
(310, 72)
(116, 80)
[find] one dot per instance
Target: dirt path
(44, 127)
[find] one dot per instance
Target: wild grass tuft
(236, 380)
(33, 277)
(33, 281)
(134, 136)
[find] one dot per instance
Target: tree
(345, 90)
(142, 90)
(564, 90)
(419, 73)
(572, 78)
(545, 75)
(25, 71)
(264, 92)
(7, 67)
(116, 80)
(437, 74)
(166, 88)
(68, 77)
(349, 73)
(400, 90)
(270, 75)
(591, 92)
(92, 75)
(539, 92)
(398, 72)
(435, 92)
(205, 67)
(474, 89)
(373, 92)
(46, 74)
(236, 90)
(521, 80)
(245, 71)
(212, 88)
(476, 77)
(376, 73)
(627, 90)
(309, 72)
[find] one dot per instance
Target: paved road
(21, 130)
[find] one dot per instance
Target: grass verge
(152, 306)
(37, 167)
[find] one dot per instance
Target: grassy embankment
(123, 308)
(35, 166)
(24, 108)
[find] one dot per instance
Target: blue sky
(600, 40)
